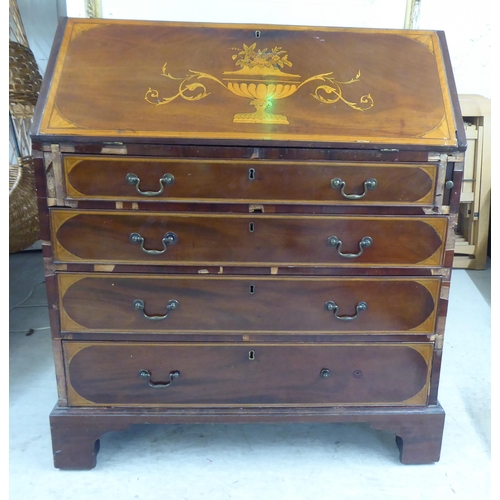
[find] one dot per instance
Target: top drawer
(229, 181)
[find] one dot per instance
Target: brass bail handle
(158, 385)
(365, 242)
(338, 183)
(134, 180)
(331, 306)
(139, 305)
(170, 238)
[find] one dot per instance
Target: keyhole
(251, 227)
(252, 289)
(251, 355)
(257, 34)
(251, 173)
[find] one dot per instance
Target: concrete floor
(320, 461)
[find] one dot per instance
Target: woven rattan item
(24, 77)
(24, 87)
(23, 210)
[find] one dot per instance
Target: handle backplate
(169, 238)
(139, 305)
(158, 385)
(338, 183)
(365, 242)
(331, 306)
(134, 180)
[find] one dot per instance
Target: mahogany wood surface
(257, 239)
(253, 122)
(247, 181)
(392, 84)
(76, 431)
(460, 132)
(305, 152)
(231, 305)
(247, 374)
(248, 271)
(245, 208)
(273, 338)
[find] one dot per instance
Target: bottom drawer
(211, 374)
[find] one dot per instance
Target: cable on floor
(30, 331)
(29, 295)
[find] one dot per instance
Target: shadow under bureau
(247, 224)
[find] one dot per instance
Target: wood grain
(257, 239)
(225, 305)
(224, 374)
(76, 431)
(252, 268)
(412, 104)
(101, 178)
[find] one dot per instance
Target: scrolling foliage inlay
(265, 68)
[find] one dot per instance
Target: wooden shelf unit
(471, 245)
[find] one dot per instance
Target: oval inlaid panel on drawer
(155, 374)
(121, 303)
(254, 240)
(225, 181)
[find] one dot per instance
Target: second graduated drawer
(144, 237)
(226, 305)
(223, 181)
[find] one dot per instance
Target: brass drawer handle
(331, 306)
(158, 385)
(364, 243)
(139, 305)
(338, 183)
(170, 238)
(166, 180)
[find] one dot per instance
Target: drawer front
(226, 305)
(253, 240)
(248, 181)
(155, 374)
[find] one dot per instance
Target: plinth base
(76, 431)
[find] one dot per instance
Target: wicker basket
(24, 78)
(24, 86)
(23, 210)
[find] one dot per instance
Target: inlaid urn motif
(262, 80)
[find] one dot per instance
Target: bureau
(246, 224)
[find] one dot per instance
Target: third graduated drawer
(223, 181)
(96, 302)
(146, 237)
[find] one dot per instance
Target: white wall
(467, 27)
(40, 23)
(356, 13)
(466, 24)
